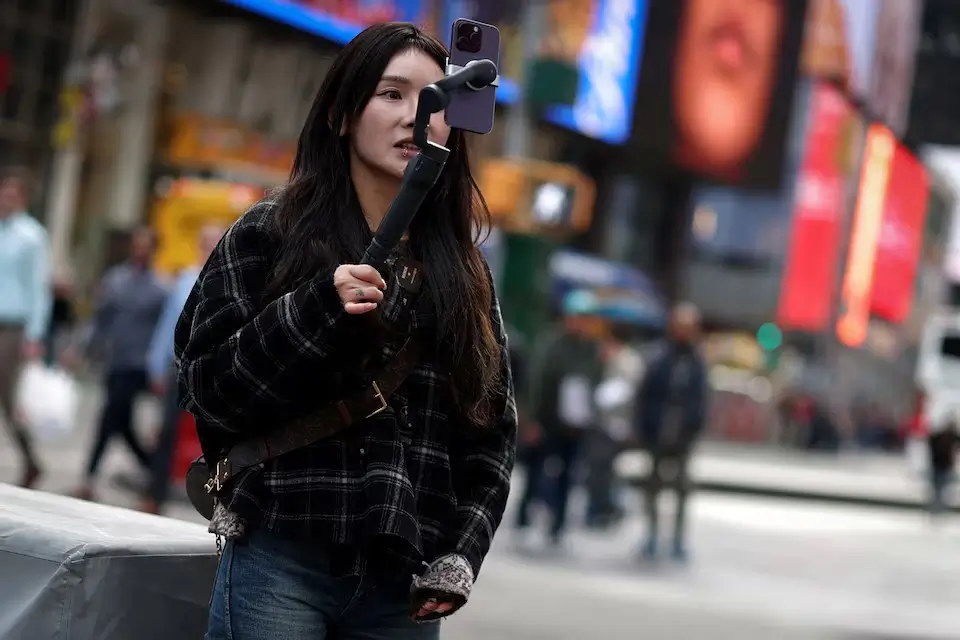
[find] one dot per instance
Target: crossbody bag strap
(320, 424)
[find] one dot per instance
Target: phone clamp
(454, 68)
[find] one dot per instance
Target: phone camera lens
(469, 38)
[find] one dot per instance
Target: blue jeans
(939, 483)
(269, 587)
(555, 494)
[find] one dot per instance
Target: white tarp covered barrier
(72, 570)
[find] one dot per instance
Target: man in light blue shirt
(163, 373)
(25, 301)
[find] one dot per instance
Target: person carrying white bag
(25, 301)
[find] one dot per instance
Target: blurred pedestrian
(942, 443)
(622, 372)
(129, 303)
(527, 429)
(62, 317)
(24, 304)
(366, 422)
(163, 373)
(672, 409)
(564, 378)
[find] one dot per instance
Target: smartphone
(473, 110)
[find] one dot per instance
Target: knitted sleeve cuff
(449, 577)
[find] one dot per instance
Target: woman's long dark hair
(321, 224)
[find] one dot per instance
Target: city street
(760, 568)
(722, 235)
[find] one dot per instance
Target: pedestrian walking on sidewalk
(566, 371)
(382, 410)
(672, 407)
(25, 300)
(163, 373)
(622, 372)
(128, 307)
(942, 445)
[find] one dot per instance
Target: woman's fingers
(432, 606)
(358, 286)
(365, 294)
(367, 275)
(357, 308)
(359, 297)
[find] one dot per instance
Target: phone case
(474, 110)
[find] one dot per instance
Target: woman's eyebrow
(397, 79)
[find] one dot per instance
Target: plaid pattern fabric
(413, 477)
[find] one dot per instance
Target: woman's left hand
(442, 589)
(432, 607)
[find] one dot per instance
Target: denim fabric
(555, 493)
(271, 587)
(161, 462)
(939, 483)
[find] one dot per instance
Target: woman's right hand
(359, 286)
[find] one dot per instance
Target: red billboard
(901, 238)
(811, 269)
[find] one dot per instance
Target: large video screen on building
(716, 87)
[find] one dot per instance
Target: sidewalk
(64, 460)
(867, 479)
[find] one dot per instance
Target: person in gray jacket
(129, 305)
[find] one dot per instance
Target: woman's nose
(410, 115)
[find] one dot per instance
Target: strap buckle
(378, 396)
(220, 475)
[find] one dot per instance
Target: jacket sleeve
(242, 362)
(38, 287)
(543, 379)
(646, 404)
(94, 343)
(701, 405)
(483, 465)
(160, 353)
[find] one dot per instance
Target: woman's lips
(408, 150)
(729, 51)
(729, 46)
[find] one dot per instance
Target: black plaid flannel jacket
(413, 477)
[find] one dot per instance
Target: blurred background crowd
(773, 184)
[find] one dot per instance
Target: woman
(321, 542)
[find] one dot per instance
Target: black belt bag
(204, 485)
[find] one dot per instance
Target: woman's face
(727, 57)
(382, 137)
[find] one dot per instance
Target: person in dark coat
(672, 407)
(943, 453)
